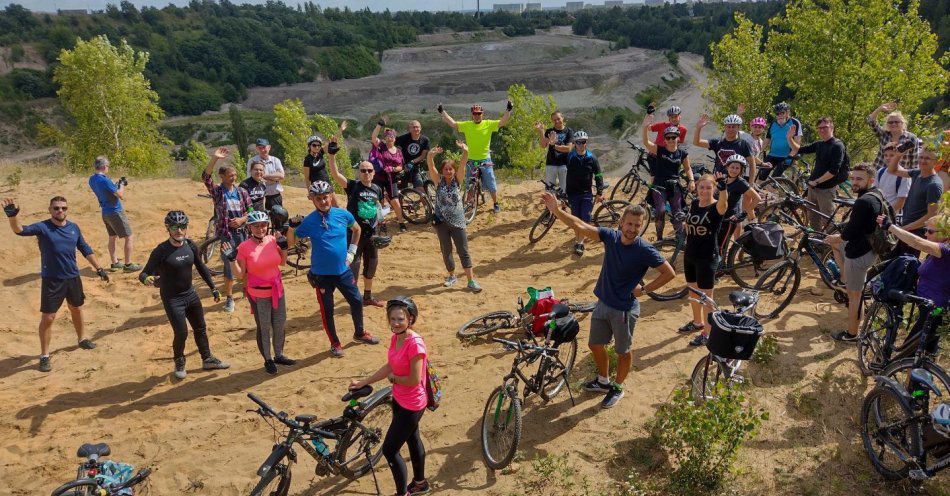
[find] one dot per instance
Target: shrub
(766, 350)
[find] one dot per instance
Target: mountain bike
(502, 320)
(632, 185)
(799, 172)
(732, 338)
(501, 419)
(361, 427)
(210, 244)
(91, 480)
(800, 208)
(416, 207)
(474, 197)
(547, 219)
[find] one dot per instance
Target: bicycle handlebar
(522, 346)
(282, 417)
(902, 297)
(137, 478)
(703, 297)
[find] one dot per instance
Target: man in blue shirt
(627, 257)
(331, 254)
(110, 197)
(58, 240)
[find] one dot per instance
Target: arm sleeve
(463, 126)
(878, 130)
(809, 148)
(81, 244)
(904, 189)
(714, 145)
(604, 234)
(278, 164)
(798, 127)
(658, 126)
(860, 216)
(246, 203)
(31, 230)
(350, 220)
(303, 230)
(768, 131)
(200, 265)
(598, 176)
(682, 134)
(209, 184)
(151, 267)
(654, 258)
(934, 192)
(493, 125)
(568, 136)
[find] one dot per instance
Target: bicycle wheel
(298, 256)
(706, 375)
(415, 208)
(878, 320)
(429, 187)
(826, 255)
(376, 419)
(554, 377)
(776, 288)
(626, 187)
(888, 432)
(581, 306)
(487, 323)
(608, 214)
(79, 487)
(743, 268)
(472, 196)
(207, 250)
(541, 226)
(675, 289)
(899, 370)
(501, 427)
(276, 482)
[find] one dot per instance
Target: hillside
(199, 437)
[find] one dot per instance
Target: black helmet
(278, 216)
(781, 107)
(405, 302)
(176, 218)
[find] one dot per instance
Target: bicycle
(90, 480)
(361, 427)
(416, 207)
(473, 194)
(501, 419)
(500, 320)
(546, 220)
(732, 338)
(629, 185)
(798, 207)
(298, 255)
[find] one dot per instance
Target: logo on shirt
(413, 148)
(696, 224)
(182, 258)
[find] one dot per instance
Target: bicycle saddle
(559, 310)
(305, 419)
(358, 393)
(740, 299)
(87, 450)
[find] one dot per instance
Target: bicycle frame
(527, 354)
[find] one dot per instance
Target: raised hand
(703, 120)
(549, 200)
(439, 109)
(889, 106)
(509, 106)
(435, 150)
(740, 109)
(222, 152)
(539, 126)
(343, 126)
(382, 121)
(461, 145)
(10, 208)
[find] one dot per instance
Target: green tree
(238, 130)
(742, 72)
(327, 127)
(198, 158)
(292, 128)
(113, 108)
(519, 135)
(844, 57)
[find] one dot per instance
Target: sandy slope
(196, 431)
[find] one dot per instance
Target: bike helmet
(739, 159)
(257, 217)
(381, 241)
(781, 107)
(477, 109)
(671, 130)
(758, 121)
(314, 139)
(674, 110)
(176, 218)
(732, 119)
(405, 302)
(941, 418)
(278, 216)
(580, 135)
(320, 188)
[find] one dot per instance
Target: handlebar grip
(902, 297)
(260, 402)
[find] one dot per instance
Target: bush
(704, 438)
(766, 350)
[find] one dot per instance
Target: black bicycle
(546, 220)
(520, 320)
(361, 427)
(501, 420)
(90, 480)
(633, 185)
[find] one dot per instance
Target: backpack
(897, 185)
(433, 387)
(764, 241)
(882, 241)
(900, 274)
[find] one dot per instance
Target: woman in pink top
(390, 159)
(405, 369)
(257, 261)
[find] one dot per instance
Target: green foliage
(704, 438)
(672, 57)
(238, 129)
(552, 472)
(197, 157)
(943, 220)
(765, 350)
(292, 128)
(519, 134)
(14, 177)
(113, 108)
(742, 72)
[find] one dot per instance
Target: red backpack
(541, 307)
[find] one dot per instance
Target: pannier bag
(565, 330)
(765, 241)
(732, 335)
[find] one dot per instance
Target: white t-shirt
(272, 165)
(887, 183)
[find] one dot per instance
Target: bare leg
(75, 313)
(46, 331)
(128, 249)
(112, 256)
(398, 209)
(494, 196)
(623, 366)
(600, 358)
(228, 285)
(854, 311)
(469, 273)
(367, 284)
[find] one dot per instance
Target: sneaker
(419, 487)
(270, 367)
(45, 365)
(366, 338)
(595, 386)
(87, 344)
(132, 267)
(497, 209)
(372, 302)
(613, 396)
(336, 351)
(180, 368)
(229, 304)
(282, 360)
(699, 340)
(116, 266)
(212, 363)
(474, 286)
(402, 227)
(690, 327)
(844, 337)
(450, 281)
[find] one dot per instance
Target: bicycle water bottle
(833, 267)
(320, 446)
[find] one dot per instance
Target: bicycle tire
(415, 207)
(376, 418)
(885, 407)
(541, 226)
(781, 281)
(429, 187)
(745, 269)
(206, 251)
(627, 186)
(501, 420)
(608, 215)
(487, 323)
(581, 307)
(276, 482)
(705, 377)
(878, 321)
(300, 258)
(898, 370)
(472, 196)
(825, 255)
(553, 380)
(91, 488)
(675, 289)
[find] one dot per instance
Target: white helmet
(580, 135)
(739, 159)
(320, 188)
(674, 110)
(941, 419)
(732, 119)
(256, 217)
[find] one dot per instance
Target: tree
(198, 158)
(843, 58)
(292, 128)
(742, 72)
(327, 127)
(238, 130)
(519, 135)
(113, 108)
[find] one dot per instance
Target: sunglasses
(60, 208)
(581, 142)
(930, 231)
(668, 138)
(895, 122)
(367, 171)
(315, 144)
(178, 227)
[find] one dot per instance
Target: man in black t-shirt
(415, 147)
(831, 169)
(557, 140)
(363, 200)
(730, 144)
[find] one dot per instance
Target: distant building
(613, 3)
(530, 7)
(517, 8)
(574, 6)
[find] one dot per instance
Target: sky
(53, 5)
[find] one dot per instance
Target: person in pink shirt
(405, 368)
(390, 160)
(257, 262)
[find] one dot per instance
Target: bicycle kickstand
(567, 383)
(372, 469)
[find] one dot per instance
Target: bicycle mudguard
(884, 381)
(280, 451)
(382, 394)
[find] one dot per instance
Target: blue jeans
(581, 205)
(235, 238)
(325, 286)
(488, 173)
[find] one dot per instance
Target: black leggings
(404, 429)
(366, 254)
(179, 308)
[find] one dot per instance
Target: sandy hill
(199, 437)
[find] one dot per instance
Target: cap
(262, 142)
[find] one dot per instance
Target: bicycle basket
(565, 330)
(765, 241)
(733, 335)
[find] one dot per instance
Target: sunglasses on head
(176, 227)
(60, 208)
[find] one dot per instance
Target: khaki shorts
(608, 323)
(117, 224)
(856, 270)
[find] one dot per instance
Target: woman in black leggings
(169, 268)
(405, 369)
